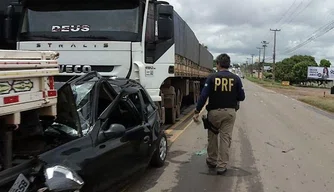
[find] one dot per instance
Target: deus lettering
(70, 28)
(224, 84)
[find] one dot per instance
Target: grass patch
(325, 103)
(268, 83)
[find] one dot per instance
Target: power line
(287, 11)
(281, 19)
(287, 14)
(300, 11)
(316, 34)
(292, 13)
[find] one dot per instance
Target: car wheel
(160, 154)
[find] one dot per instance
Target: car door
(111, 162)
(121, 156)
(140, 135)
(152, 119)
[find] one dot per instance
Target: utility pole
(247, 66)
(258, 71)
(259, 48)
(274, 52)
(252, 58)
(264, 45)
(249, 60)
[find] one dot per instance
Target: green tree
(285, 71)
(299, 58)
(299, 71)
(325, 63)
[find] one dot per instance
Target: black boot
(221, 170)
(210, 165)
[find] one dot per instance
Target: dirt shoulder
(318, 97)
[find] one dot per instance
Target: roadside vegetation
(268, 83)
(294, 70)
(325, 103)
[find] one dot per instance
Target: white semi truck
(145, 40)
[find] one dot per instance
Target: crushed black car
(105, 131)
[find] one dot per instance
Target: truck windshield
(118, 21)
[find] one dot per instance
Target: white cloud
(238, 27)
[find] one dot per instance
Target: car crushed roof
(74, 98)
(120, 83)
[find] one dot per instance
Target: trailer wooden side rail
(26, 83)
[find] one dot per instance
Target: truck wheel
(178, 110)
(178, 103)
(194, 97)
(160, 154)
(171, 115)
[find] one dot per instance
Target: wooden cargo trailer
(26, 91)
(193, 64)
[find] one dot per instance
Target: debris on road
(202, 152)
(286, 151)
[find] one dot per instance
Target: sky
(238, 27)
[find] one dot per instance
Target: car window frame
(143, 93)
(95, 104)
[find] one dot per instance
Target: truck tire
(178, 103)
(171, 115)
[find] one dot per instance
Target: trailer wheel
(171, 112)
(171, 115)
(178, 103)
(197, 92)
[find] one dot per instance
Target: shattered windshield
(82, 98)
(74, 107)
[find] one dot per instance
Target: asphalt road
(279, 144)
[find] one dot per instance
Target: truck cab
(103, 36)
(142, 40)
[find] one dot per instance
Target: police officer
(224, 90)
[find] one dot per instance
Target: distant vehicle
(240, 74)
(105, 131)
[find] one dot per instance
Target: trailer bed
(26, 83)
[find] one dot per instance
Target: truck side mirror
(165, 21)
(8, 22)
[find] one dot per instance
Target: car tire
(160, 154)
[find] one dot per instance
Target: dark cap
(223, 60)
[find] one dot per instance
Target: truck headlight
(59, 178)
